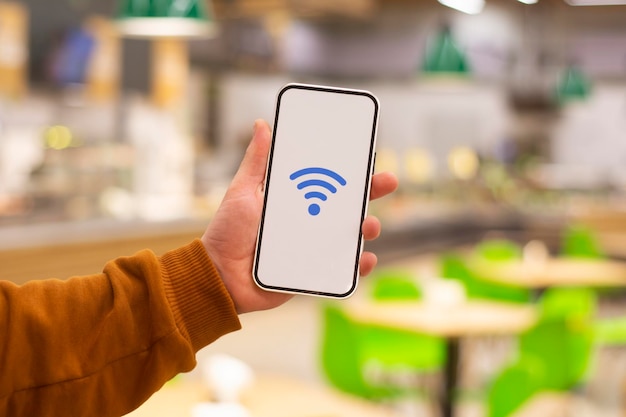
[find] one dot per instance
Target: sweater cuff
(201, 305)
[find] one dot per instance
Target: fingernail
(255, 127)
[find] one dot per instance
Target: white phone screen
(317, 190)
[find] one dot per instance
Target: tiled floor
(280, 341)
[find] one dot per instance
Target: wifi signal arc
(319, 183)
(315, 194)
(314, 209)
(318, 170)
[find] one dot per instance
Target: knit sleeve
(102, 344)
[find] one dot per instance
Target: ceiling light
(528, 1)
(443, 55)
(465, 6)
(165, 18)
(573, 85)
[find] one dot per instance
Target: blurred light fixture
(596, 2)
(58, 137)
(465, 6)
(444, 56)
(419, 165)
(165, 19)
(463, 162)
(528, 1)
(573, 85)
(387, 160)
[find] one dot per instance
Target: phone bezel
(369, 174)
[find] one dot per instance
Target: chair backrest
(394, 284)
(610, 331)
(498, 250)
(402, 349)
(349, 350)
(453, 266)
(555, 355)
(340, 356)
(581, 242)
(568, 303)
(513, 386)
(563, 340)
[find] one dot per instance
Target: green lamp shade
(573, 85)
(444, 56)
(164, 18)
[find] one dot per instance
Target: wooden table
(470, 318)
(269, 396)
(546, 404)
(452, 322)
(553, 272)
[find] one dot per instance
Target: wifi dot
(314, 209)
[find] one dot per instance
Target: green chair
(557, 352)
(610, 331)
(340, 354)
(569, 302)
(373, 361)
(564, 337)
(392, 355)
(401, 363)
(515, 385)
(563, 349)
(394, 284)
(453, 266)
(498, 250)
(579, 241)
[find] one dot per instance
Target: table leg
(450, 377)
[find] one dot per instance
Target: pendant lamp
(573, 85)
(165, 19)
(443, 56)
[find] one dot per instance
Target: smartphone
(316, 191)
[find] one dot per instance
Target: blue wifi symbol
(314, 208)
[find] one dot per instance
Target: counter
(62, 250)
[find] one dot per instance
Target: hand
(230, 238)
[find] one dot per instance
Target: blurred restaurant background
(501, 284)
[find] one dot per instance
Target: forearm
(102, 344)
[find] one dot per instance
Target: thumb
(252, 167)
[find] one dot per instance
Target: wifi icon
(318, 184)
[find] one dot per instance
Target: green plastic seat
(572, 302)
(555, 355)
(394, 284)
(579, 241)
(340, 354)
(610, 331)
(399, 363)
(513, 386)
(565, 352)
(352, 352)
(395, 348)
(564, 337)
(498, 250)
(453, 266)
(393, 353)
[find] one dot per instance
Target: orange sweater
(100, 345)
